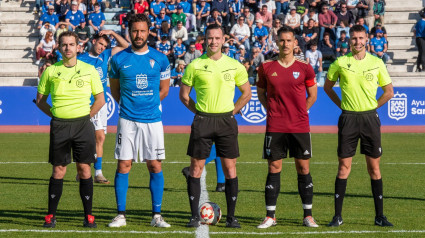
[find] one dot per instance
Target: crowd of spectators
(177, 27)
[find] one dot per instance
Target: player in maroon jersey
(282, 90)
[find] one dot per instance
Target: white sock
(97, 172)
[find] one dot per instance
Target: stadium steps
(18, 38)
(400, 19)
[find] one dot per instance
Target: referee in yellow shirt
(70, 84)
(359, 75)
(214, 76)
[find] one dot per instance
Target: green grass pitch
(23, 191)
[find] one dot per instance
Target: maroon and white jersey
(286, 95)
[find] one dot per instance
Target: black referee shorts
(75, 134)
(209, 128)
(365, 126)
(276, 145)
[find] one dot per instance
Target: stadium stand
(19, 36)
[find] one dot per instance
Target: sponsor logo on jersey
(253, 111)
(397, 106)
(142, 81)
(110, 105)
(296, 74)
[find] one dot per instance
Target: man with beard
(140, 79)
(99, 57)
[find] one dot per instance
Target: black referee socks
(86, 194)
(305, 189)
(231, 195)
(340, 186)
(55, 193)
(194, 192)
(271, 193)
(378, 198)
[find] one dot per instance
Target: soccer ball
(210, 213)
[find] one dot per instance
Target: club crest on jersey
(152, 62)
(296, 74)
(142, 81)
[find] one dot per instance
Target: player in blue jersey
(139, 78)
(99, 57)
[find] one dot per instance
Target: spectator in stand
(215, 18)
(352, 7)
(241, 55)
(191, 54)
(327, 46)
(256, 58)
(61, 9)
(63, 26)
(379, 46)
(178, 17)
(179, 50)
(164, 46)
(235, 10)
(378, 27)
(199, 43)
(156, 7)
(379, 10)
(343, 51)
(419, 33)
(282, 7)
(310, 34)
(96, 20)
(271, 5)
(179, 32)
(191, 18)
(226, 50)
(311, 15)
(342, 40)
(335, 5)
(265, 16)
(45, 48)
(141, 6)
(302, 8)
(241, 32)
(162, 18)
(49, 17)
(83, 32)
(293, 20)
(82, 7)
(273, 31)
(249, 17)
(360, 21)
(251, 72)
(223, 8)
(327, 22)
(45, 7)
(342, 27)
(177, 74)
(232, 46)
(171, 7)
(298, 53)
(46, 28)
(38, 5)
(47, 63)
(363, 8)
(202, 12)
(75, 17)
(252, 5)
(315, 4)
(314, 58)
(345, 15)
(165, 30)
(260, 30)
(370, 16)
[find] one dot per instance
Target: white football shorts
(139, 141)
(100, 120)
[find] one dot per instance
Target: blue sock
(156, 185)
(121, 187)
(98, 163)
(212, 156)
(219, 169)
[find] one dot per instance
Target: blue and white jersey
(236, 7)
(187, 7)
(230, 54)
(159, 20)
(261, 32)
(207, 8)
(139, 75)
(157, 7)
(171, 7)
(97, 18)
(75, 18)
(100, 63)
(174, 73)
(378, 43)
(178, 50)
(52, 19)
(233, 49)
(163, 47)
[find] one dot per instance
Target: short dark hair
(104, 37)
(67, 34)
(132, 18)
(96, 4)
(285, 29)
(357, 28)
(313, 44)
(213, 27)
(343, 32)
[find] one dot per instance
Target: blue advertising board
(407, 107)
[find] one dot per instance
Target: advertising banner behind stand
(407, 107)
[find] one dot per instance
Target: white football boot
(118, 221)
(158, 221)
(268, 222)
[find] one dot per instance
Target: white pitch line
(203, 231)
(213, 233)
